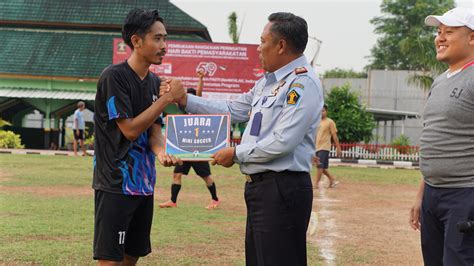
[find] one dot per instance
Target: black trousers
(278, 211)
(441, 241)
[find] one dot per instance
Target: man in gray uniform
(283, 110)
(445, 200)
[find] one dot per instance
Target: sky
(343, 26)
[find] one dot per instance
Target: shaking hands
(176, 90)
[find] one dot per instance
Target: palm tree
(233, 31)
(422, 50)
(234, 34)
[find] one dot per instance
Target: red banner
(230, 69)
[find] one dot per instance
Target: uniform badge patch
(292, 97)
(297, 85)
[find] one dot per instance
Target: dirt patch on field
(4, 177)
(366, 224)
(358, 224)
(53, 191)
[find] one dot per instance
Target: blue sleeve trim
(111, 108)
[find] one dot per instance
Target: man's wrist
(166, 98)
(235, 158)
(158, 149)
(182, 103)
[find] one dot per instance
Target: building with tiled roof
(53, 52)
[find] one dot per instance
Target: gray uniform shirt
(447, 139)
(291, 106)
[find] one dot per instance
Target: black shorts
(81, 134)
(202, 169)
(122, 225)
(323, 159)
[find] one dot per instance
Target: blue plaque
(196, 137)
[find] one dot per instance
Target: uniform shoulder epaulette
(300, 70)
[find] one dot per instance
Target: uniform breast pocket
(268, 102)
(270, 110)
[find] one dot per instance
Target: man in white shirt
(78, 127)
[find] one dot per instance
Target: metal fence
(371, 151)
(378, 152)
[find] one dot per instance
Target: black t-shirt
(122, 166)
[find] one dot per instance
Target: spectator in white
(78, 127)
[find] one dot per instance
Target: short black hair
(139, 22)
(325, 107)
(192, 91)
(291, 28)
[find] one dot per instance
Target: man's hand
(316, 161)
(224, 157)
(414, 217)
(168, 160)
(178, 92)
(77, 132)
(338, 152)
(165, 86)
(175, 87)
(201, 74)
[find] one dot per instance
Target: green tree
(343, 73)
(233, 30)
(405, 43)
(4, 123)
(354, 123)
(8, 139)
(401, 144)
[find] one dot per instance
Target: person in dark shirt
(127, 138)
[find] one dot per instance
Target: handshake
(173, 89)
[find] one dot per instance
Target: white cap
(455, 17)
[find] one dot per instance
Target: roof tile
(91, 12)
(59, 53)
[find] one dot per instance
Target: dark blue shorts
(202, 169)
(80, 136)
(441, 241)
(323, 159)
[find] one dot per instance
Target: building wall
(36, 119)
(389, 90)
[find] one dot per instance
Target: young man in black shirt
(127, 139)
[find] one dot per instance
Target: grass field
(46, 210)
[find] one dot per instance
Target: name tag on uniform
(256, 124)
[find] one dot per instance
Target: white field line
(327, 231)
